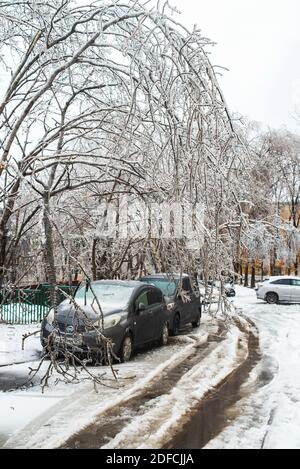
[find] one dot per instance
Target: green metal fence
(28, 305)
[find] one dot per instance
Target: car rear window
(166, 286)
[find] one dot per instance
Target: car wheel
(272, 298)
(196, 323)
(126, 348)
(176, 325)
(164, 338)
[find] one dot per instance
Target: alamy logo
(137, 220)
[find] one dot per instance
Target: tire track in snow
(160, 424)
(211, 416)
(111, 423)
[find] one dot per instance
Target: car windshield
(110, 296)
(168, 287)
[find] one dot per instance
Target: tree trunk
(49, 251)
(246, 283)
(94, 262)
(262, 271)
(76, 275)
(253, 273)
(5, 217)
(3, 243)
(296, 267)
(241, 273)
(273, 263)
(237, 268)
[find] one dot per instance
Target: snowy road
(269, 414)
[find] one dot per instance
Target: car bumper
(82, 342)
(260, 296)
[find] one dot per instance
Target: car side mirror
(141, 307)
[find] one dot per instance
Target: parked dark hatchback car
(183, 301)
(135, 314)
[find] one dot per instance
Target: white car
(279, 290)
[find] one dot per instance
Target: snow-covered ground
(11, 344)
(269, 415)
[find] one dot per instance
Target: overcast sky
(259, 41)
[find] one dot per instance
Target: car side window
(296, 283)
(142, 298)
(284, 281)
(154, 297)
